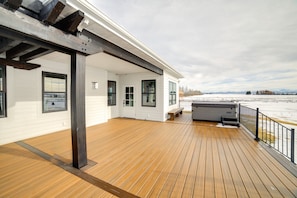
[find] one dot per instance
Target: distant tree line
(268, 92)
(264, 92)
(185, 91)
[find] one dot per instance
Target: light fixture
(95, 85)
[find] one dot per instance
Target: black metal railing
(271, 132)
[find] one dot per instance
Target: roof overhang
(68, 26)
(99, 24)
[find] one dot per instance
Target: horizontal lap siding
(168, 78)
(96, 99)
(142, 112)
(24, 104)
(95, 110)
(24, 101)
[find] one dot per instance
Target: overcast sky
(218, 45)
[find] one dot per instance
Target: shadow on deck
(136, 158)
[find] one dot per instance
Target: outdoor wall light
(95, 85)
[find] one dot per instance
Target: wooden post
(78, 122)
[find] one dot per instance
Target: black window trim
(170, 94)
(54, 75)
(112, 93)
(143, 93)
(4, 91)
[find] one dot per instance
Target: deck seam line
(79, 173)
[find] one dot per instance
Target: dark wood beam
(51, 11)
(119, 52)
(35, 54)
(6, 44)
(78, 120)
(71, 22)
(12, 4)
(19, 50)
(18, 26)
(18, 64)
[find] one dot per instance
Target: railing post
(257, 125)
(239, 112)
(293, 145)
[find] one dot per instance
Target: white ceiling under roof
(101, 60)
(113, 64)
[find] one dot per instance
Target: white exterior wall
(24, 100)
(24, 104)
(96, 99)
(167, 108)
(143, 113)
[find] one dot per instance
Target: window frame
(129, 96)
(172, 93)
(146, 94)
(4, 91)
(59, 76)
(112, 94)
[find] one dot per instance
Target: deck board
(179, 158)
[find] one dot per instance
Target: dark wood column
(78, 120)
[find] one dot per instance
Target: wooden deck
(137, 158)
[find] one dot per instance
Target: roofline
(92, 13)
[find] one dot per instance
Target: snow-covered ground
(283, 107)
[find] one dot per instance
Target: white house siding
(144, 113)
(24, 104)
(168, 78)
(96, 99)
(113, 111)
(24, 99)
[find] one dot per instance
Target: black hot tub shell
(213, 111)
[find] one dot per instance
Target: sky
(217, 45)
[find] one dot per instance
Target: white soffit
(113, 64)
(101, 60)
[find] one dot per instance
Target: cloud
(218, 45)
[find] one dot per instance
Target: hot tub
(213, 111)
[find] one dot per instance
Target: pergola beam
(35, 54)
(71, 22)
(6, 44)
(121, 53)
(19, 50)
(28, 29)
(12, 4)
(18, 64)
(51, 11)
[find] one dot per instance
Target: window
(172, 93)
(2, 91)
(111, 93)
(149, 93)
(54, 88)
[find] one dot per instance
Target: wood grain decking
(177, 158)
